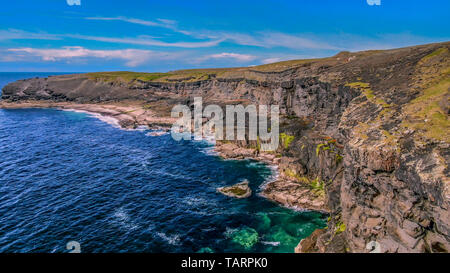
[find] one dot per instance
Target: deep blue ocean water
(67, 176)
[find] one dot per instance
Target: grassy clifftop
(252, 72)
(192, 75)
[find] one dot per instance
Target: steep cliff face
(368, 132)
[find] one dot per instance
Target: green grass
(126, 76)
(368, 93)
(426, 116)
(387, 110)
(340, 227)
(322, 146)
(284, 65)
(286, 140)
(192, 75)
(293, 174)
(316, 185)
(437, 52)
(359, 85)
(339, 158)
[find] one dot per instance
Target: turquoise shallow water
(68, 176)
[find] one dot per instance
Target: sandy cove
(282, 190)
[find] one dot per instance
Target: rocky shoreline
(126, 116)
(363, 135)
(283, 190)
(240, 190)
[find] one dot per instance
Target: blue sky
(159, 36)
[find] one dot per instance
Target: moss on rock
(239, 190)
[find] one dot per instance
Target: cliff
(365, 133)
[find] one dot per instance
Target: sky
(160, 36)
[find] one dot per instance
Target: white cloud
(145, 40)
(74, 2)
(164, 23)
(226, 55)
(132, 57)
(274, 39)
(335, 42)
(271, 60)
(280, 57)
(236, 56)
(15, 34)
(260, 39)
(132, 20)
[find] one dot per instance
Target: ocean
(67, 176)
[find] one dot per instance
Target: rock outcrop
(239, 190)
(364, 136)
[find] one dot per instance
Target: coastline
(129, 116)
(281, 189)
(358, 134)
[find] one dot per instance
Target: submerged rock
(239, 190)
(205, 250)
(280, 235)
(264, 221)
(246, 237)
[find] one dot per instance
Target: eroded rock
(239, 190)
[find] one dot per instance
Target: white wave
(142, 128)
(230, 231)
(157, 133)
(207, 140)
(199, 201)
(271, 178)
(171, 239)
(270, 243)
(209, 151)
(210, 139)
(121, 215)
(107, 119)
(208, 229)
(122, 218)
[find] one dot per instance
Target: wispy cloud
(271, 60)
(271, 40)
(158, 23)
(163, 23)
(132, 57)
(146, 40)
(16, 34)
(226, 55)
(259, 39)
